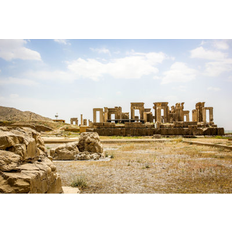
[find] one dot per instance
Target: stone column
(194, 115)
(158, 113)
(105, 114)
(145, 117)
(141, 114)
(204, 114)
(132, 113)
(94, 116)
(165, 114)
(211, 114)
(198, 115)
(187, 117)
(81, 119)
(85, 122)
(101, 115)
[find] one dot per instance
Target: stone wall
(190, 131)
(128, 129)
(139, 129)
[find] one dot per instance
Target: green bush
(80, 182)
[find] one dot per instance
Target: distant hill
(12, 114)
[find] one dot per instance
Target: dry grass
(170, 167)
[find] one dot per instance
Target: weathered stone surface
(65, 151)
(25, 142)
(37, 177)
(88, 147)
(9, 160)
(90, 142)
(24, 166)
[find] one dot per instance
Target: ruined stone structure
(158, 106)
(137, 106)
(199, 114)
(165, 121)
(88, 147)
(72, 120)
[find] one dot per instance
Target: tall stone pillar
(106, 114)
(94, 116)
(187, 117)
(141, 114)
(158, 113)
(198, 115)
(132, 113)
(166, 114)
(211, 114)
(101, 115)
(194, 115)
(204, 114)
(81, 119)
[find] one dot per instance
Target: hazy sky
(70, 77)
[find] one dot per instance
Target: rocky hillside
(12, 114)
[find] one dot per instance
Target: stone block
(65, 151)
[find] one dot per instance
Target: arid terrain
(158, 167)
(12, 114)
(141, 164)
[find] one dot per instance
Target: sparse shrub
(178, 140)
(147, 166)
(112, 156)
(80, 182)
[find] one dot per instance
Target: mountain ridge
(13, 114)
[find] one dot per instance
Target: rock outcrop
(24, 165)
(88, 147)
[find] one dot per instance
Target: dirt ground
(167, 167)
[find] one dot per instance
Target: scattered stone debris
(87, 148)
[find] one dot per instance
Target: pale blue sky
(70, 77)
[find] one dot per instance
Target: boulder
(24, 165)
(90, 141)
(90, 147)
(65, 151)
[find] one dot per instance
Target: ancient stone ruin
(24, 165)
(88, 147)
(165, 121)
(65, 151)
(74, 120)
